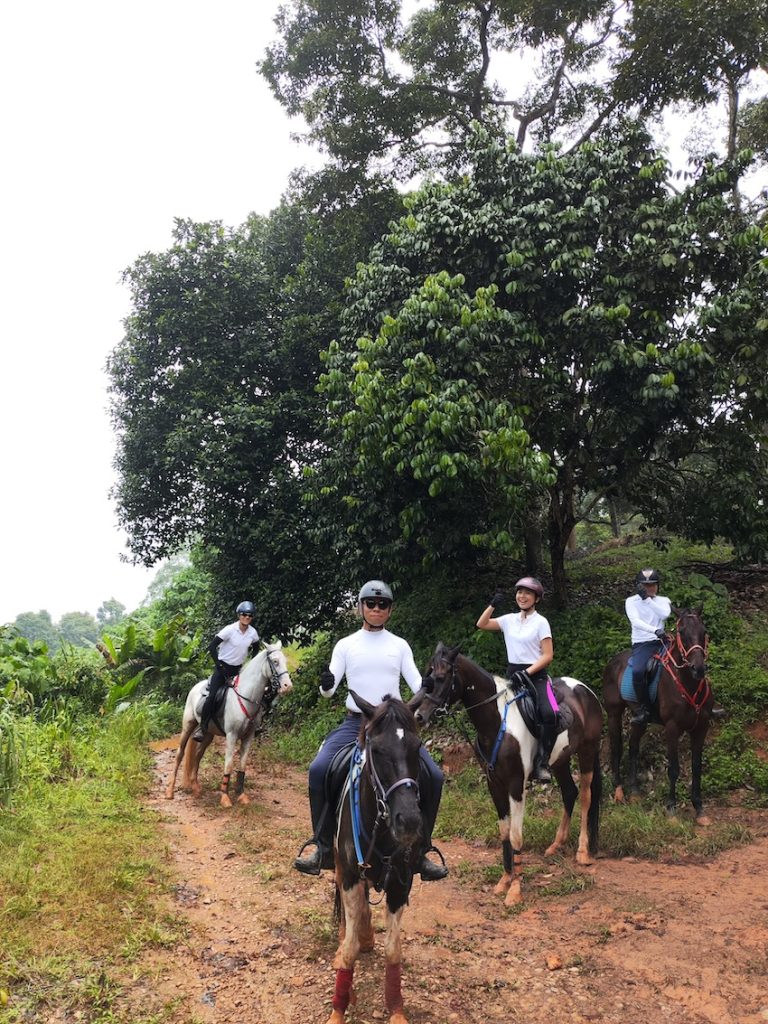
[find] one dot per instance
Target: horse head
(391, 742)
(438, 686)
(278, 667)
(691, 641)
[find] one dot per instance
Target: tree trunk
(534, 557)
(561, 523)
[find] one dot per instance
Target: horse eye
(428, 683)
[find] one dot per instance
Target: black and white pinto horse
(379, 843)
(239, 719)
(505, 748)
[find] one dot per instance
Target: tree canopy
(560, 323)
(380, 83)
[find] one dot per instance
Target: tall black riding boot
(547, 740)
(643, 712)
(322, 837)
(429, 870)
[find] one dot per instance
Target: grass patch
(82, 878)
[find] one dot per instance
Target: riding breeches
(219, 677)
(641, 655)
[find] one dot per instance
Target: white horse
(242, 713)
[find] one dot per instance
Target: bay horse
(379, 843)
(241, 715)
(684, 704)
(505, 748)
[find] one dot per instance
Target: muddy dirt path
(643, 942)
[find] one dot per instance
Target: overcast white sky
(116, 118)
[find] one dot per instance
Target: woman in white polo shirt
(229, 649)
(528, 639)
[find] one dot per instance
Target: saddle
(529, 709)
(218, 706)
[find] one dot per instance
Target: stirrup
(641, 716)
(429, 870)
(199, 734)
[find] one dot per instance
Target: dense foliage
(561, 324)
(399, 85)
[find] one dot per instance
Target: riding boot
(643, 712)
(199, 734)
(547, 740)
(322, 837)
(429, 870)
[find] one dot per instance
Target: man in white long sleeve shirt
(647, 612)
(372, 660)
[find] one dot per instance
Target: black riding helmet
(647, 576)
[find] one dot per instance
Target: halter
(383, 814)
(702, 692)
(274, 688)
(487, 763)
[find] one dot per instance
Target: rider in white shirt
(229, 649)
(372, 660)
(647, 612)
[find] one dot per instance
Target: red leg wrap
(343, 988)
(393, 996)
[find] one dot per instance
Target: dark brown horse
(505, 748)
(379, 842)
(683, 704)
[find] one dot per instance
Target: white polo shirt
(234, 645)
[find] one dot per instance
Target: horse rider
(229, 649)
(372, 659)
(528, 640)
(647, 612)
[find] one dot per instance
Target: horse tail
(593, 814)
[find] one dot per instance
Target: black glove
(496, 600)
(642, 591)
(661, 633)
(327, 680)
(519, 680)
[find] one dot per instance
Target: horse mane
(393, 708)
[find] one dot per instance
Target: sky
(117, 118)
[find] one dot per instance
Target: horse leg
(635, 735)
(192, 761)
(353, 902)
(515, 826)
(245, 749)
(673, 765)
(393, 996)
(568, 792)
(616, 745)
(697, 746)
(186, 732)
(229, 757)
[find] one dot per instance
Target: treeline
(556, 328)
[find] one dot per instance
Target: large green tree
(381, 82)
(214, 399)
(560, 323)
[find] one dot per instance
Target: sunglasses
(246, 615)
(377, 602)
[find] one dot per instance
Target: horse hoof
(618, 796)
(635, 798)
(552, 850)
(243, 799)
(337, 1017)
(514, 896)
(169, 794)
(703, 821)
(225, 801)
(584, 859)
(196, 790)
(398, 1018)
(502, 885)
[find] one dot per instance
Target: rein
(703, 691)
(274, 689)
(360, 759)
(444, 708)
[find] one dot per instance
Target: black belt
(354, 714)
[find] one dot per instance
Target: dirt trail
(647, 942)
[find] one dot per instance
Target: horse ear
(677, 612)
(699, 609)
(454, 653)
(365, 707)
